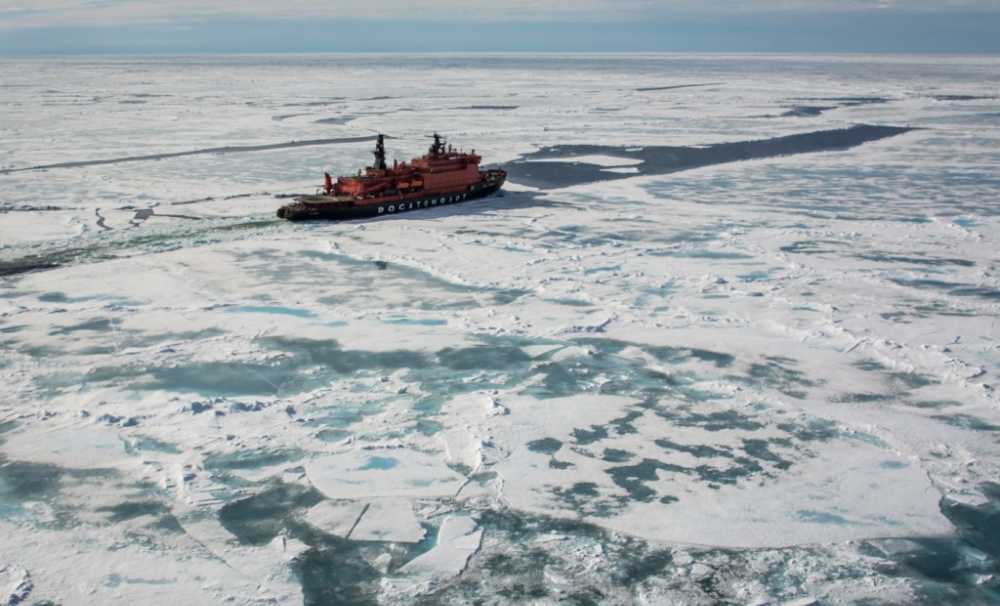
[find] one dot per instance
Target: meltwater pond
(728, 337)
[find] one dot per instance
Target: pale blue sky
(192, 26)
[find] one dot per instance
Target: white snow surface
(785, 357)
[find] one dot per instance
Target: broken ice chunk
(388, 520)
(290, 548)
(389, 473)
(457, 541)
(335, 518)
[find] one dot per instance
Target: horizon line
(201, 53)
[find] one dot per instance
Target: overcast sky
(38, 26)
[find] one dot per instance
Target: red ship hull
(328, 208)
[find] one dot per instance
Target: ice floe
(697, 352)
(366, 473)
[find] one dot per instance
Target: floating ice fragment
(457, 541)
(336, 518)
(357, 474)
(388, 520)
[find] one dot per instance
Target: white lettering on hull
(425, 203)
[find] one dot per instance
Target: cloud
(16, 14)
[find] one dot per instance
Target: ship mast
(380, 154)
(437, 148)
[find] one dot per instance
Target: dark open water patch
(28, 208)
(764, 457)
(258, 519)
(850, 101)
(899, 387)
(549, 446)
(657, 160)
(56, 297)
(23, 482)
(339, 120)
(952, 288)
(979, 524)
(806, 111)
(915, 260)
(815, 247)
(650, 89)
(489, 107)
(94, 325)
(712, 255)
(970, 422)
(23, 266)
(951, 570)
(963, 97)
(252, 459)
(603, 370)
(332, 570)
(571, 302)
(778, 373)
(287, 374)
(495, 363)
(304, 364)
(755, 458)
(161, 516)
(800, 111)
(6, 426)
(821, 517)
(585, 498)
(336, 572)
(670, 397)
(319, 103)
(283, 117)
(515, 566)
(484, 357)
(114, 338)
(862, 398)
(929, 309)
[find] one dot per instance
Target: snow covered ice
(728, 336)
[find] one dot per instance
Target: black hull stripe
(297, 212)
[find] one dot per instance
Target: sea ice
(388, 520)
(698, 351)
(457, 540)
(336, 517)
(366, 473)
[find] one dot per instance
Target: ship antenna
(380, 153)
(437, 148)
